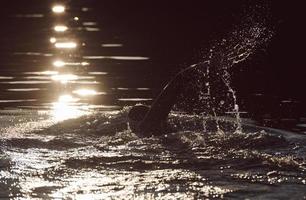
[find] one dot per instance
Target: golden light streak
(65, 45)
(60, 28)
(64, 78)
(59, 63)
(85, 92)
(58, 9)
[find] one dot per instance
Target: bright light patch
(60, 28)
(42, 73)
(84, 63)
(64, 109)
(65, 45)
(24, 89)
(85, 92)
(64, 78)
(18, 100)
(52, 40)
(58, 63)
(98, 73)
(67, 99)
(58, 9)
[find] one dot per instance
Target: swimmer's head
(136, 115)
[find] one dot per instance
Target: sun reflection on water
(58, 9)
(87, 92)
(65, 45)
(42, 73)
(67, 99)
(84, 63)
(59, 63)
(64, 78)
(53, 40)
(60, 28)
(66, 108)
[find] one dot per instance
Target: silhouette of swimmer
(151, 120)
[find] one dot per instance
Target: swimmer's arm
(164, 102)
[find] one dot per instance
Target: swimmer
(151, 120)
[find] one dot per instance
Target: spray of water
(217, 95)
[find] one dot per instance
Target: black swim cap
(138, 112)
(136, 115)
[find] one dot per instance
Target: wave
(197, 137)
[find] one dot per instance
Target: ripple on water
(87, 158)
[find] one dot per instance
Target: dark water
(65, 94)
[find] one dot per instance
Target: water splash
(217, 95)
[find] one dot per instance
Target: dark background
(180, 32)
